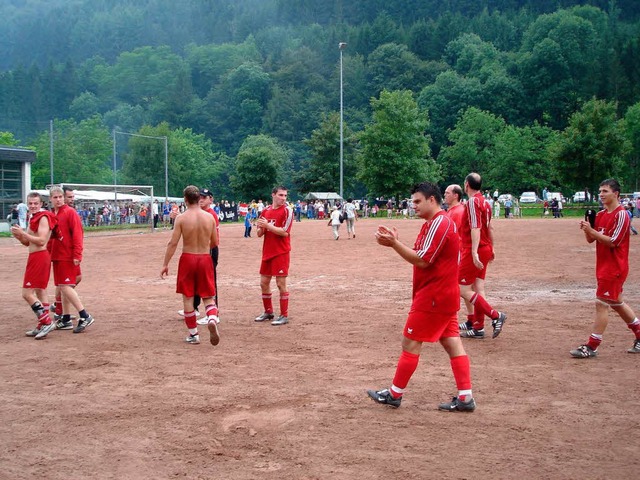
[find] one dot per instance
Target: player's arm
(621, 226)
(475, 243)
(213, 241)
(389, 238)
(172, 245)
(20, 235)
(77, 238)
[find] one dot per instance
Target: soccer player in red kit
(275, 225)
(36, 275)
(476, 252)
(65, 322)
(195, 270)
(611, 234)
(66, 255)
(433, 315)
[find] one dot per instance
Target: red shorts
(195, 275)
(38, 270)
(275, 266)
(467, 273)
(64, 272)
(430, 326)
(610, 289)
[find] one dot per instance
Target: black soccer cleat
(455, 405)
(384, 397)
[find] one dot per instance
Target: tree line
(531, 97)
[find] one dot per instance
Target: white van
(528, 197)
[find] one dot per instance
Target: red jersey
(613, 262)
(68, 243)
(435, 288)
(477, 215)
(456, 213)
(216, 219)
(275, 245)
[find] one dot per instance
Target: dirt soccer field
(128, 399)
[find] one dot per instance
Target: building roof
(16, 154)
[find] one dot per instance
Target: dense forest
(530, 93)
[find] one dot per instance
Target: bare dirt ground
(128, 399)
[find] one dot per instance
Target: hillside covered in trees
(531, 93)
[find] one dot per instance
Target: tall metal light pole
(341, 46)
(115, 180)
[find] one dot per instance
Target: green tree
(471, 145)
(259, 167)
(632, 130)
(321, 171)
(82, 153)
(190, 159)
(395, 151)
(522, 161)
(592, 147)
(7, 138)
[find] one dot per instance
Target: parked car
(528, 197)
(579, 197)
(555, 195)
(502, 198)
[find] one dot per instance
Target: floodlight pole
(115, 182)
(51, 149)
(166, 168)
(341, 46)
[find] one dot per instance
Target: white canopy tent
(331, 196)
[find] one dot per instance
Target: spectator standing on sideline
(352, 214)
(507, 207)
(36, 275)
(274, 224)
(156, 213)
(166, 213)
(22, 215)
(195, 270)
(611, 234)
(435, 300)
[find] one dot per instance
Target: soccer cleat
(193, 339)
(636, 347)
(62, 325)
(214, 335)
(455, 405)
(472, 333)
(82, 324)
(35, 331)
(465, 326)
(281, 320)
(583, 351)
(44, 330)
(498, 323)
(384, 397)
(264, 316)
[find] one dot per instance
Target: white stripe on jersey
(621, 216)
(289, 219)
(429, 238)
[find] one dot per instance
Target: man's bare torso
(198, 229)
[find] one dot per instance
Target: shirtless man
(195, 269)
(36, 275)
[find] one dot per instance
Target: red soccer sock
(284, 304)
(58, 306)
(407, 364)
(478, 319)
(461, 372)
(594, 341)
(190, 319)
(266, 301)
(480, 305)
(211, 310)
(635, 327)
(44, 319)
